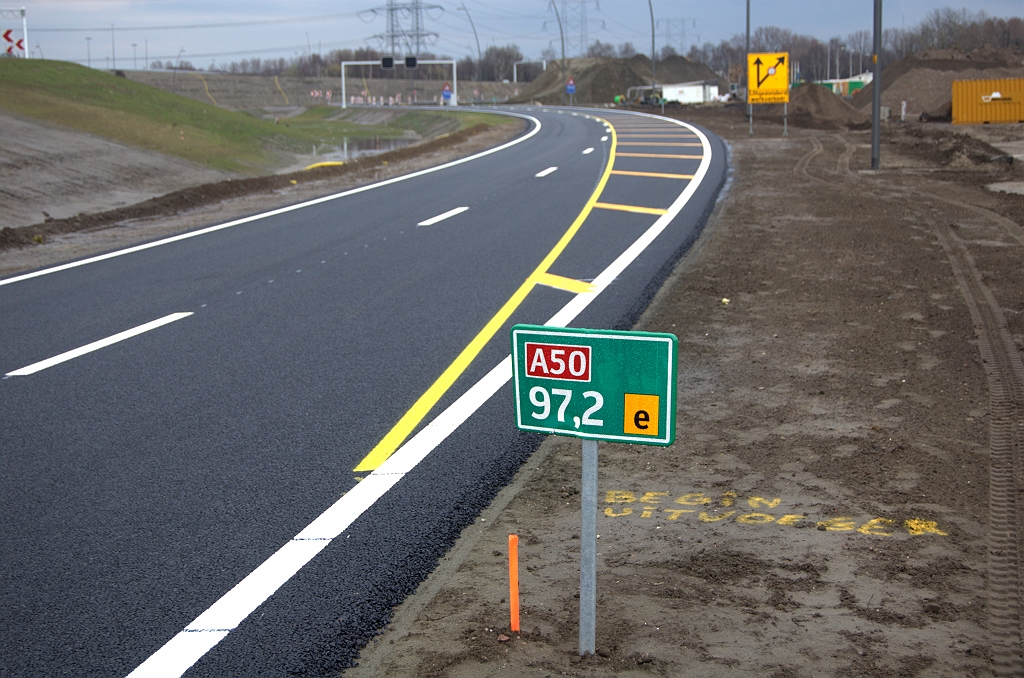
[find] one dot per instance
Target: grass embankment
(135, 114)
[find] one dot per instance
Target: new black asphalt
(142, 481)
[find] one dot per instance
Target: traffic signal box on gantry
(599, 384)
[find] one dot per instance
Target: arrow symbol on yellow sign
(771, 71)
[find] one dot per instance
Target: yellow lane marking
(281, 91)
(563, 283)
(656, 143)
(660, 155)
(658, 136)
(206, 87)
(327, 163)
(405, 426)
(660, 175)
(629, 208)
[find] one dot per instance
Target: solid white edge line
(96, 345)
(545, 172)
(281, 210)
(441, 217)
(183, 650)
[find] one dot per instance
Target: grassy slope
(115, 108)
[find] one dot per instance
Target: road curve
(232, 454)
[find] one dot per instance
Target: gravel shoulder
(841, 497)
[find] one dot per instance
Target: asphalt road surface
(232, 454)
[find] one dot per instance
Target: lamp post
(88, 51)
(479, 58)
(562, 34)
(876, 87)
(653, 54)
(135, 61)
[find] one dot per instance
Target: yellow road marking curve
(405, 426)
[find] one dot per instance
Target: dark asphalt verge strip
(208, 194)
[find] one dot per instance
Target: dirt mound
(925, 79)
(599, 80)
(814, 107)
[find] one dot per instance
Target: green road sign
(600, 384)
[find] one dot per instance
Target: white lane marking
(186, 648)
(96, 345)
(604, 138)
(544, 173)
(282, 210)
(588, 151)
(441, 217)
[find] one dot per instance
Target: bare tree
(627, 51)
(860, 42)
(601, 49)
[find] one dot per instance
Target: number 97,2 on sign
(600, 384)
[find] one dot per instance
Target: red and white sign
(20, 44)
(328, 95)
(558, 361)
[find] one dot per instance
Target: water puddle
(354, 148)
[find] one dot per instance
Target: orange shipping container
(980, 101)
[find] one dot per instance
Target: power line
(255, 22)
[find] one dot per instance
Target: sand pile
(813, 106)
(925, 79)
(599, 80)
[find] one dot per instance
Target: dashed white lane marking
(282, 210)
(213, 625)
(588, 151)
(604, 138)
(96, 345)
(544, 173)
(441, 217)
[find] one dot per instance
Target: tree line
(495, 64)
(839, 58)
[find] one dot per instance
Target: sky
(165, 29)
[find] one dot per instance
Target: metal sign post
(595, 385)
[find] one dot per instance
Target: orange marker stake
(513, 578)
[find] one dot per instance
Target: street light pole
(876, 87)
(562, 34)
(88, 51)
(135, 61)
(746, 65)
(653, 54)
(479, 58)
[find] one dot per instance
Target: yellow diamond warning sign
(768, 78)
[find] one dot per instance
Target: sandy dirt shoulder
(194, 210)
(825, 510)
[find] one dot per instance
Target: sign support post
(588, 550)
